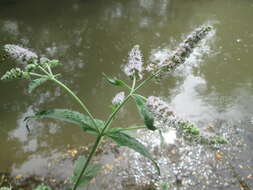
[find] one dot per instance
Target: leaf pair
(75, 117)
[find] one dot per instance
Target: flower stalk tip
(20, 54)
(135, 63)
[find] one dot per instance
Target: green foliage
(189, 128)
(192, 133)
(15, 73)
(43, 187)
(84, 121)
(144, 112)
(123, 139)
(45, 62)
(31, 67)
(91, 171)
(35, 83)
(217, 140)
(114, 81)
(53, 63)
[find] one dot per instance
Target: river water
(92, 37)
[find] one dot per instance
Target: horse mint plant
(40, 70)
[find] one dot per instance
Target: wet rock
(185, 165)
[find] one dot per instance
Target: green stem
(49, 69)
(147, 79)
(78, 100)
(133, 128)
(126, 85)
(100, 136)
(108, 122)
(37, 75)
(94, 148)
(44, 70)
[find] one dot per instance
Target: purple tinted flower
(20, 54)
(135, 63)
(118, 99)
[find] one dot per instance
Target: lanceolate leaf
(144, 112)
(70, 116)
(115, 81)
(91, 171)
(123, 139)
(35, 83)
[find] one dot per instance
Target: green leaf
(115, 81)
(189, 128)
(144, 112)
(43, 187)
(91, 171)
(35, 83)
(53, 63)
(123, 139)
(70, 116)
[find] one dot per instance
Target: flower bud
(15, 73)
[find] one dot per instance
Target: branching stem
(108, 122)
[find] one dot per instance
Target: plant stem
(108, 122)
(100, 136)
(77, 99)
(49, 69)
(148, 79)
(94, 148)
(133, 128)
(110, 119)
(38, 75)
(44, 70)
